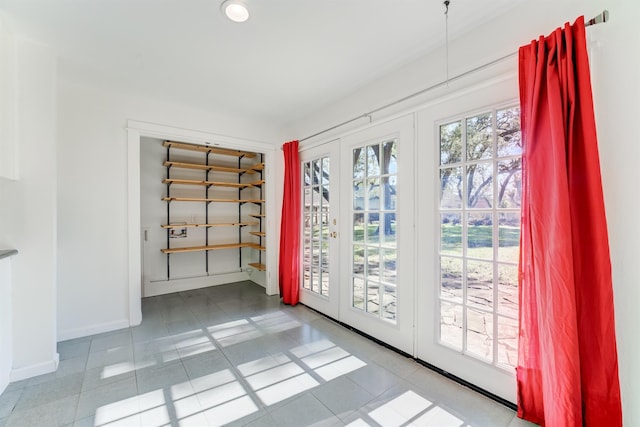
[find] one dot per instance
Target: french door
(469, 231)
(377, 284)
(423, 252)
(357, 264)
(320, 198)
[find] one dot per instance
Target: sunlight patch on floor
(410, 409)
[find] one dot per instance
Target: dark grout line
(260, 324)
(427, 365)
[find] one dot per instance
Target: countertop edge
(8, 253)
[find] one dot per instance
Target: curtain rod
(600, 18)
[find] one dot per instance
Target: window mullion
(465, 195)
(496, 233)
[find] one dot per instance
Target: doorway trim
(135, 132)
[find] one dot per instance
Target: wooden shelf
(255, 183)
(202, 199)
(198, 178)
(205, 183)
(258, 266)
(213, 248)
(208, 149)
(219, 224)
(204, 248)
(208, 167)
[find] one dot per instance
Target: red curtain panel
(567, 364)
(289, 263)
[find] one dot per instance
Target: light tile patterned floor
(230, 355)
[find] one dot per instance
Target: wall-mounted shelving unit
(248, 192)
(260, 216)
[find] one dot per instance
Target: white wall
(615, 59)
(489, 42)
(8, 149)
(7, 170)
(615, 65)
(28, 213)
(92, 196)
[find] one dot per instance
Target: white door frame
(401, 334)
(327, 305)
(137, 130)
(493, 379)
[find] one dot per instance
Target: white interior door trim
(401, 334)
(137, 130)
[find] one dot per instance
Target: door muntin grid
(480, 173)
(374, 237)
(315, 248)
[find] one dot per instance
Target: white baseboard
(178, 285)
(36, 369)
(84, 331)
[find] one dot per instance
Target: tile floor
(230, 355)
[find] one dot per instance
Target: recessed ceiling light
(236, 10)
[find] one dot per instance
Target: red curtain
(567, 366)
(289, 272)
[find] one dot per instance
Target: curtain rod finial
(601, 18)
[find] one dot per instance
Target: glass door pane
(377, 265)
(315, 250)
(373, 240)
(319, 235)
(480, 179)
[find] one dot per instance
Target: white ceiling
(292, 57)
